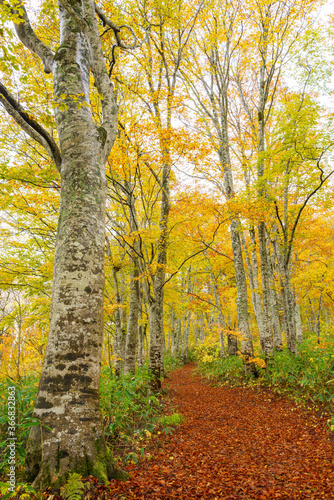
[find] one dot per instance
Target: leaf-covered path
(235, 443)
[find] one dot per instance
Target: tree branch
(117, 30)
(29, 125)
(322, 181)
(27, 35)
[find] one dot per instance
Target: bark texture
(132, 331)
(70, 437)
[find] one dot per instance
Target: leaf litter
(234, 443)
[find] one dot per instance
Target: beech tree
(70, 435)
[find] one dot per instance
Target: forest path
(235, 443)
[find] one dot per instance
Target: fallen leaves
(235, 443)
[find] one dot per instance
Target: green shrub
(128, 404)
(310, 373)
(25, 395)
(171, 363)
(171, 420)
(226, 370)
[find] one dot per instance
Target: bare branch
(27, 35)
(29, 125)
(117, 30)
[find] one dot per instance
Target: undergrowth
(307, 375)
(25, 395)
(171, 363)
(130, 413)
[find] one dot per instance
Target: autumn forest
(167, 249)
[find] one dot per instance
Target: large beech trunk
(70, 437)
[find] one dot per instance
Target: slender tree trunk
(117, 361)
(141, 333)
(253, 274)
(178, 338)
(132, 330)
(154, 345)
(290, 320)
(242, 304)
(318, 319)
(185, 340)
(267, 339)
(275, 320)
(242, 301)
(201, 328)
(220, 318)
(174, 335)
(186, 324)
(298, 321)
(156, 308)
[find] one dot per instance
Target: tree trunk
(253, 275)
(117, 361)
(141, 333)
(232, 344)
(155, 345)
(242, 303)
(267, 345)
(318, 319)
(220, 318)
(156, 308)
(186, 323)
(298, 321)
(290, 319)
(275, 320)
(185, 340)
(132, 330)
(70, 437)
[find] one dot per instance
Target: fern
(74, 487)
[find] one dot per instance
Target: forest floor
(234, 443)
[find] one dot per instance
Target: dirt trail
(235, 443)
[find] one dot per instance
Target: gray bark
(287, 297)
(156, 307)
(186, 323)
(298, 321)
(267, 339)
(242, 303)
(71, 436)
(132, 329)
(253, 276)
(219, 314)
(141, 333)
(276, 326)
(118, 335)
(232, 344)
